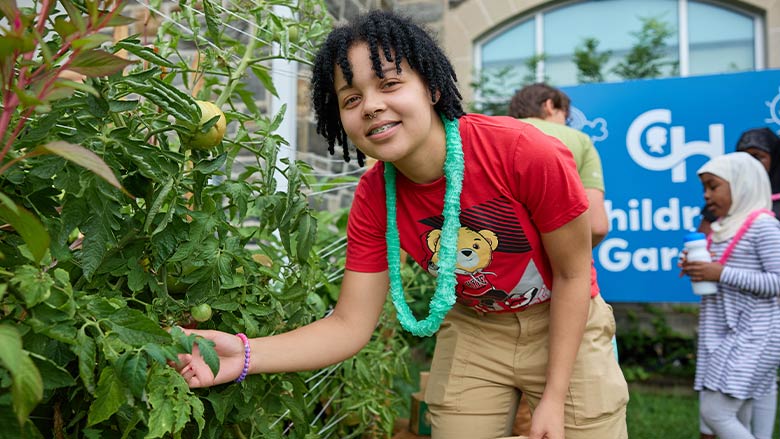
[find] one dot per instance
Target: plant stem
(237, 431)
(239, 72)
(8, 109)
(283, 57)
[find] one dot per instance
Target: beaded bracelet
(247, 356)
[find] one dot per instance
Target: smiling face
(717, 194)
(392, 118)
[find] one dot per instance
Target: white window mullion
(684, 53)
(477, 71)
(539, 49)
(759, 59)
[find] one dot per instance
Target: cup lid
(694, 236)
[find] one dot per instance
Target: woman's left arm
(569, 251)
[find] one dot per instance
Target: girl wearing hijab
(764, 145)
(739, 326)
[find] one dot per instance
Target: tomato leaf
(133, 46)
(208, 353)
(213, 24)
(172, 100)
(55, 376)
(296, 411)
(33, 285)
(307, 233)
(157, 204)
(265, 78)
(132, 369)
(160, 354)
(134, 328)
(161, 418)
(85, 350)
(109, 397)
(26, 388)
(172, 404)
(10, 348)
(97, 234)
(82, 157)
(27, 225)
(96, 63)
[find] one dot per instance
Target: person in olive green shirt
(547, 108)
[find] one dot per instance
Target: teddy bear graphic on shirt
(473, 257)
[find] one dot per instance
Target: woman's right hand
(197, 373)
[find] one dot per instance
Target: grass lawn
(666, 412)
(655, 413)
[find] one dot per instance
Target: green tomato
(201, 312)
(293, 34)
(174, 286)
(214, 135)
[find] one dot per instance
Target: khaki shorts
(483, 361)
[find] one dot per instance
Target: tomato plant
(113, 232)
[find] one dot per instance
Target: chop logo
(656, 145)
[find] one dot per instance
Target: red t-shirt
(517, 183)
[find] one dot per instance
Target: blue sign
(652, 136)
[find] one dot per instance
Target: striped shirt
(739, 327)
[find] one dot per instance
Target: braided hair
(398, 39)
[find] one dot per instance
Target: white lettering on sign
(616, 255)
(654, 144)
(642, 215)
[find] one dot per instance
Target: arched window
(721, 40)
(705, 38)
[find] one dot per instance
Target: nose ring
(371, 115)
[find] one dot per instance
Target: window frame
(683, 48)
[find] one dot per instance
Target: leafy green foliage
(590, 63)
(112, 231)
(531, 66)
(494, 88)
(647, 58)
(658, 350)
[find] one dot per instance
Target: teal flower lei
(444, 297)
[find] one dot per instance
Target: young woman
(764, 146)
(739, 326)
(490, 206)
